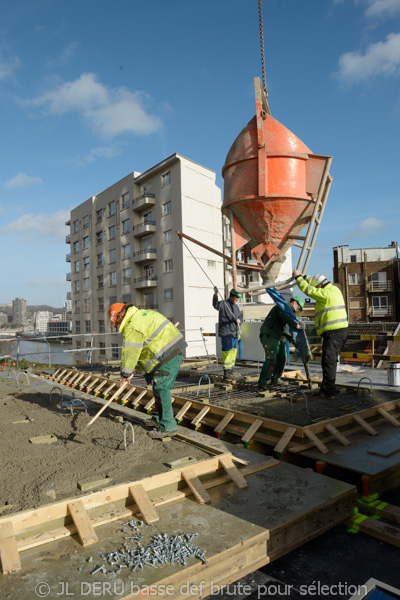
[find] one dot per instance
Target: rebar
(126, 424)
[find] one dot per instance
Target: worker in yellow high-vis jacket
(330, 322)
(153, 344)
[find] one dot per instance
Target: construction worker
(330, 322)
(229, 322)
(273, 335)
(152, 343)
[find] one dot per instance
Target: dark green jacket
(277, 323)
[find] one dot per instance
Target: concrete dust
(29, 471)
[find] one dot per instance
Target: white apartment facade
(42, 317)
(124, 248)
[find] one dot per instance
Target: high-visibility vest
(150, 340)
(330, 310)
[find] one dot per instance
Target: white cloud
(109, 112)
(366, 228)
(382, 8)
(382, 58)
(45, 225)
(22, 180)
(7, 64)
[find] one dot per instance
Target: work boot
(152, 424)
(280, 382)
(160, 435)
(228, 374)
(263, 388)
(323, 395)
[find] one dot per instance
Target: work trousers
(332, 344)
(229, 346)
(163, 382)
(275, 359)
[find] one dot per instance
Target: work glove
(215, 289)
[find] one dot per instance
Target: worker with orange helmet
(153, 344)
(330, 322)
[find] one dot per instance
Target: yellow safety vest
(330, 310)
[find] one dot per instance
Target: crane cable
(262, 46)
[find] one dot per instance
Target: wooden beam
(138, 398)
(124, 398)
(252, 430)
(223, 423)
(199, 491)
(84, 527)
(233, 472)
(143, 503)
(200, 416)
(320, 445)
(92, 383)
(365, 425)
(388, 416)
(150, 403)
(377, 529)
(285, 439)
(179, 415)
(339, 436)
(9, 555)
(382, 509)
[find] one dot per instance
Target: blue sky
(93, 90)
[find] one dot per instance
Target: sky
(92, 90)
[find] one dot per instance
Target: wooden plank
(388, 416)
(179, 415)
(201, 415)
(339, 436)
(150, 403)
(8, 548)
(74, 377)
(101, 384)
(124, 398)
(377, 529)
(382, 509)
(285, 439)
(252, 430)
(233, 472)
(59, 375)
(320, 445)
(365, 425)
(92, 383)
(143, 503)
(84, 381)
(224, 422)
(136, 401)
(108, 390)
(84, 527)
(199, 491)
(81, 377)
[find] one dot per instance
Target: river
(35, 351)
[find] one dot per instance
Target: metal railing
(143, 224)
(379, 286)
(148, 251)
(381, 311)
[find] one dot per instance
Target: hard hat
(318, 280)
(233, 292)
(114, 311)
(299, 300)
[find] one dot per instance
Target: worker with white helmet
(155, 345)
(331, 324)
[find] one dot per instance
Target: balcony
(145, 255)
(68, 258)
(145, 282)
(68, 239)
(380, 286)
(69, 295)
(68, 277)
(144, 228)
(380, 311)
(145, 201)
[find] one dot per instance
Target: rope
(262, 46)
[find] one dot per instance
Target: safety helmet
(114, 311)
(318, 280)
(233, 292)
(299, 300)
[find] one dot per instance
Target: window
(147, 243)
(99, 237)
(88, 328)
(85, 222)
(76, 226)
(86, 263)
(76, 266)
(85, 242)
(77, 285)
(86, 284)
(112, 300)
(166, 178)
(86, 304)
(357, 303)
(77, 306)
(148, 217)
(102, 349)
(149, 272)
(77, 326)
(379, 305)
(211, 264)
(356, 279)
(102, 326)
(379, 281)
(111, 232)
(126, 251)
(167, 236)
(100, 302)
(353, 258)
(126, 276)
(127, 298)
(111, 208)
(113, 279)
(112, 255)
(114, 351)
(126, 226)
(78, 344)
(99, 215)
(168, 294)
(168, 265)
(76, 247)
(125, 201)
(147, 188)
(100, 282)
(166, 208)
(100, 261)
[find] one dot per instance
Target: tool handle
(119, 390)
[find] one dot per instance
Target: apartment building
(124, 248)
(369, 279)
(19, 311)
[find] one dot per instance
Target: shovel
(103, 408)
